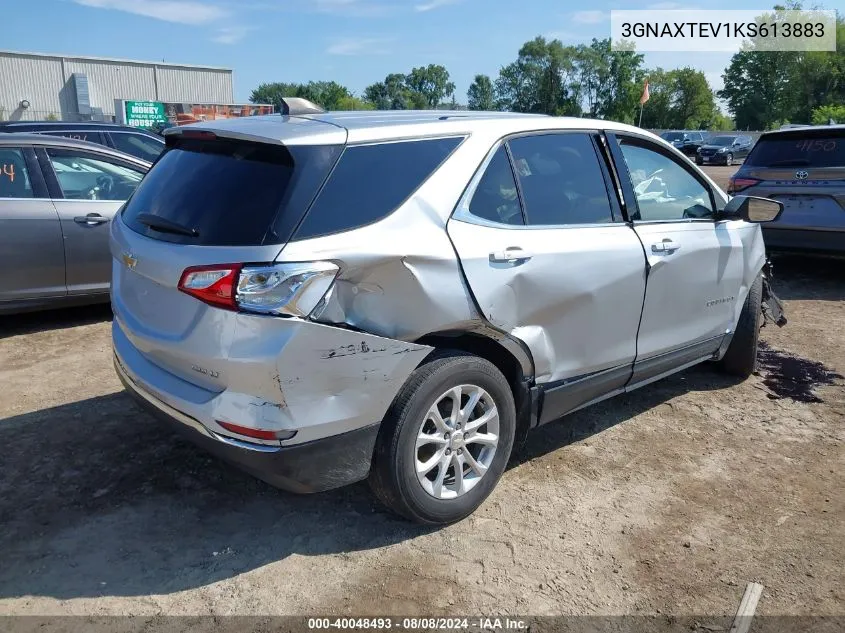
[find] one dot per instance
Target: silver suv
(324, 297)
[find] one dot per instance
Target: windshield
(827, 150)
(722, 141)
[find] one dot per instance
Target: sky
(354, 42)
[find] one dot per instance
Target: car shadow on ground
(29, 322)
(98, 499)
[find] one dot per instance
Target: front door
(91, 188)
(696, 264)
(32, 258)
(549, 261)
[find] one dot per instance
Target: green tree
(328, 94)
(480, 95)
(693, 104)
(758, 89)
(432, 82)
(658, 112)
(394, 94)
(823, 114)
(543, 79)
(619, 82)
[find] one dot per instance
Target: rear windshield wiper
(165, 226)
(792, 162)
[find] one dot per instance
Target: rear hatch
(804, 169)
(215, 196)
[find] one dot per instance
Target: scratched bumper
(311, 381)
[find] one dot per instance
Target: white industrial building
(73, 88)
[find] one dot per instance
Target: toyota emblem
(801, 175)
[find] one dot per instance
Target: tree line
(762, 89)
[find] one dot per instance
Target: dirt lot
(665, 501)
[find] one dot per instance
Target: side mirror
(754, 209)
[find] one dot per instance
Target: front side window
(663, 188)
(137, 145)
(14, 177)
(560, 179)
(495, 198)
(84, 176)
(370, 181)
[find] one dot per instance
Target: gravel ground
(665, 501)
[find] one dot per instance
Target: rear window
(228, 193)
(827, 150)
(371, 181)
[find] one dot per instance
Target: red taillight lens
(214, 285)
(738, 184)
(200, 135)
(259, 434)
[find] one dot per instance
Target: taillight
(292, 289)
(738, 184)
(212, 284)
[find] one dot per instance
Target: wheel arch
(508, 355)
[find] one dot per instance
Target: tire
(393, 475)
(741, 357)
(729, 160)
(698, 161)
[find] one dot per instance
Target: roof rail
(298, 105)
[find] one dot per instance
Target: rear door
(88, 188)
(548, 259)
(696, 264)
(32, 258)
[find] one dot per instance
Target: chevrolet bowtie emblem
(129, 260)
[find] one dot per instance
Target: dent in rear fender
(323, 380)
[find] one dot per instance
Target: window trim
(640, 140)
(461, 210)
(53, 185)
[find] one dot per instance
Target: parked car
(804, 168)
(133, 141)
(724, 149)
(328, 297)
(687, 141)
(57, 196)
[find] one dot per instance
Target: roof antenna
(296, 105)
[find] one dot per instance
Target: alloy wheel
(456, 441)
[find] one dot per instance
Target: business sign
(144, 113)
(148, 114)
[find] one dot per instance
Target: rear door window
(371, 181)
(85, 176)
(138, 145)
(79, 135)
(226, 192)
(14, 177)
(822, 150)
(560, 179)
(496, 198)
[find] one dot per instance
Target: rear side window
(496, 198)
(826, 150)
(224, 192)
(371, 181)
(14, 177)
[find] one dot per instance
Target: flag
(645, 96)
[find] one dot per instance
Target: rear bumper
(804, 240)
(302, 468)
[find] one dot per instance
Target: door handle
(511, 255)
(666, 246)
(92, 219)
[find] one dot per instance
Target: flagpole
(640, 124)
